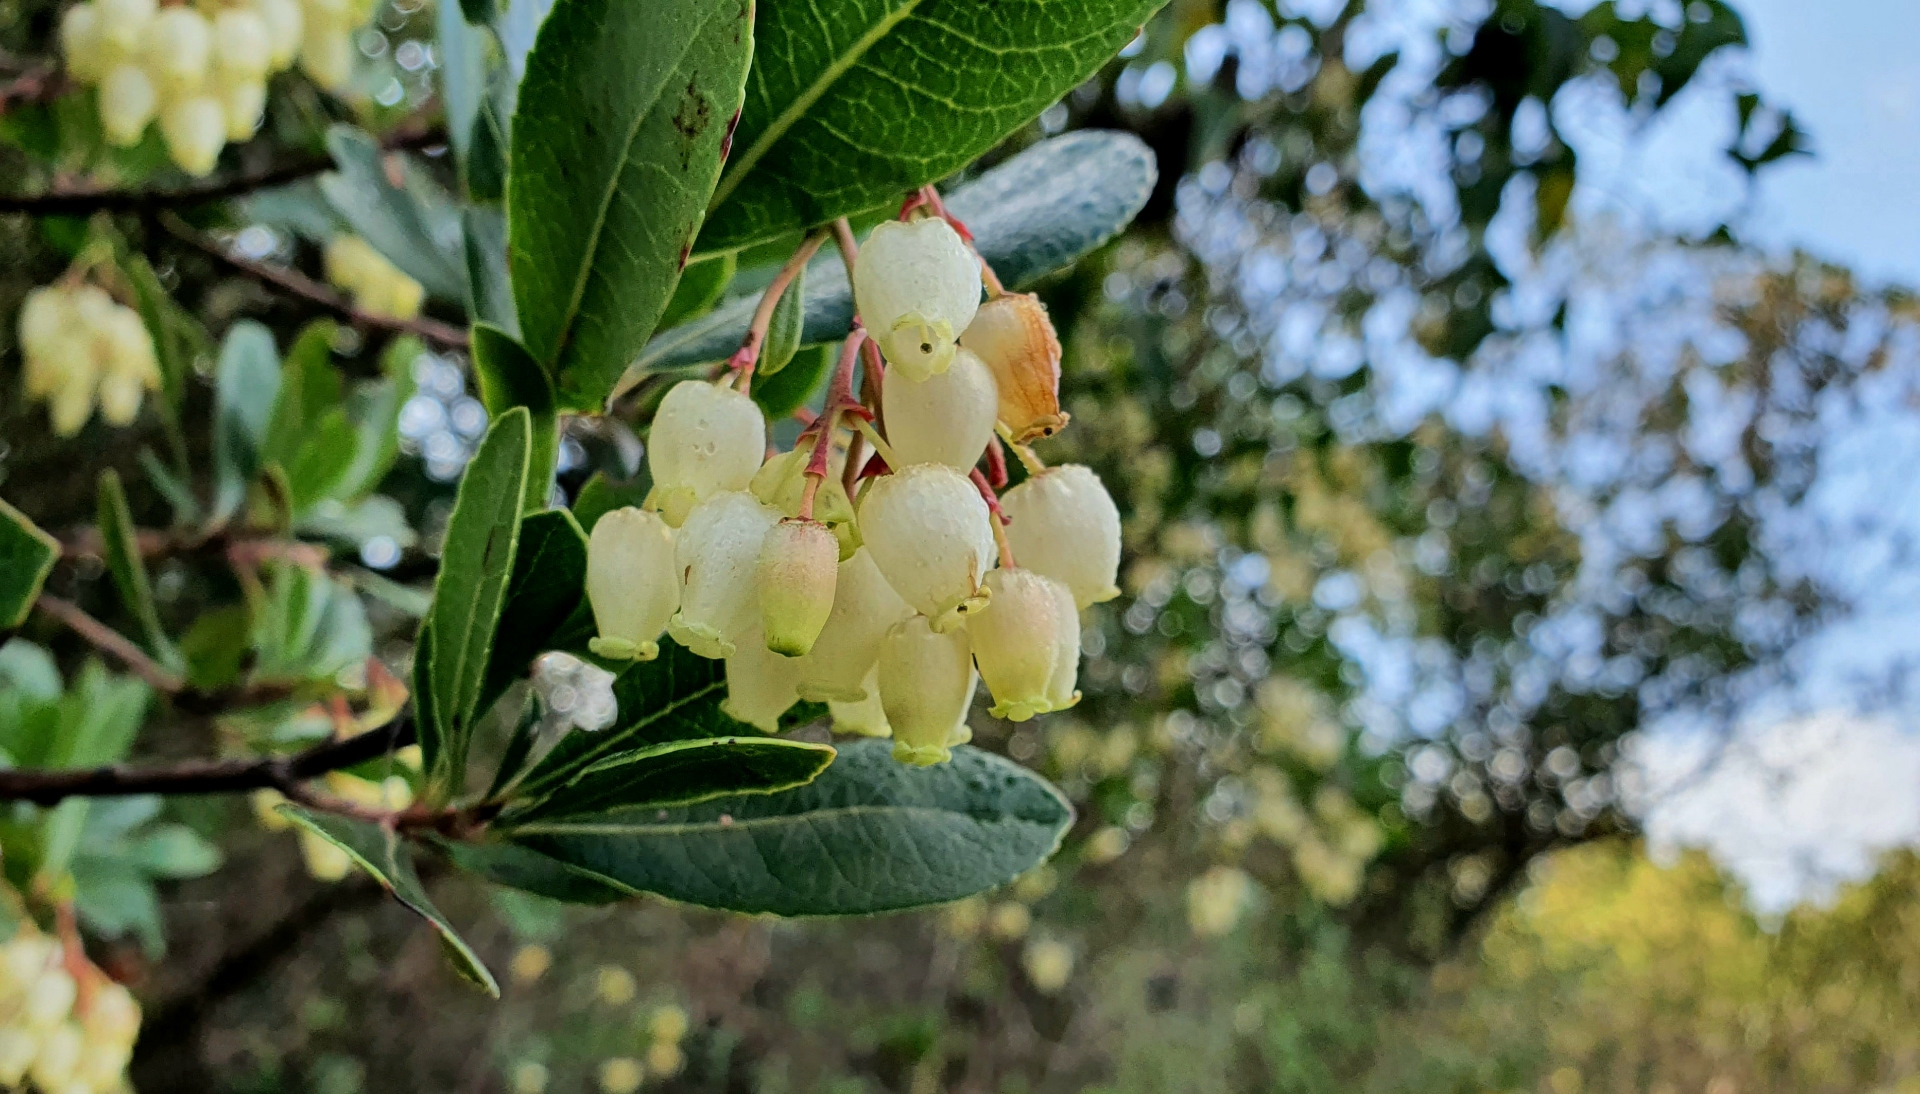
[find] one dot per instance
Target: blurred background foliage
(1436, 497)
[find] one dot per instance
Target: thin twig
(744, 358)
(80, 201)
(282, 773)
(109, 641)
(305, 287)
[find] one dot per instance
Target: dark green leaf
(702, 284)
(868, 835)
(788, 323)
(790, 388)
(530, 871)
(27, 554)
(382, 854)
(549, 578)
(680, 773)
(319, 469)
(120, 546)
(487, 280)
(852, 106)
(246, 384)
(510, 377)
(485, 168)
(1039, 212)
(475, 564)
(416, 229)
(617, 141)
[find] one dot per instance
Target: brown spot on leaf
(691, 120)
(726, 142)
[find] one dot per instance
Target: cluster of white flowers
(377, 285)
(60, 1034)
(201, 70)
(82, 347)
(891, 605)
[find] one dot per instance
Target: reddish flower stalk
(748, 354)
(840, 399)
(996, 464)
(999, 520)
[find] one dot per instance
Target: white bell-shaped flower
(926, 683)
(717, 553)
(799, 567)
(196, 129)
(80, 42)
(947, 418)
(245, 103)
(1013, 641)
(926, 527)
(1063, 523)
(916, 285)
(759, 684)
(633, 583)
(286, 21)
(179, 47)
(242, 45)
(865, 607)
(61, 1051)
(863, 717)
(1061, 692)
(1013, 335)
(128, 101)
(705, 439)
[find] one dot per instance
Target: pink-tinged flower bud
(633, 583)
(196, 129)
(1013, 642)
(865, 607)
(717, 553)
(863, 717)
(705, 439)
(926, 685)
(1061, 693)
(916, 285)
(926, 527)
(1063, 523)
(1013, 335)
(128, 101)
(759, 683)
(782, 483)
(799, 567)
(946, 418)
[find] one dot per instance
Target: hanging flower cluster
(889, 586)
(81, 347)
(65, 1027)
(201, 70)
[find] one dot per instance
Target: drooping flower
(760, 683)
(926, 684)
(926, 527)
(797, 572)
(1014, 638)
(916, 286)
(1061, 692)
(706, 439)
(1015, 339)
(840, 666)
(946, 418)
(633, 583)
(717, 553)
(1063, 523)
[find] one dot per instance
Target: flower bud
(633, 583)
(946, 418)
(180, 46)
(326, 55)
(59, 1058)
(782, 483)
(124, 24)
(799, 567)
(128, 100)
(926, 527)
(864, 717)
(705, 439)
(1013, 335)
(80, 43)
(49, 999)
(865, 607)
(245, 103)
(196, 130)
(242, 45)
(285, 21)
(717, 553)
(759, 683)
(926, 684)
(1061, 693)
(916, 285)
(17, 1050)
(1013, 641)
(1063, 523)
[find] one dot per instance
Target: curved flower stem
(996, 464)
(743, 359)
(840, 399)
(999, 518)
(1028, 458)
